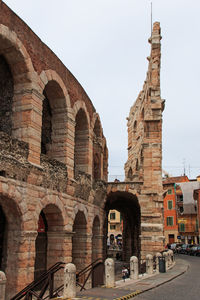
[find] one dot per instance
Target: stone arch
(79, 207)
(128, 205)
(51, 75)
(10, 237)
(81, 137)
(6, 96)
(96, 239)
(49, 243)
(81, 105)
(96, 125)
(23, 75)
(54, 118)
(130, 174)
(79, 241)
(105, 161)
(97, 149)
(135, 126)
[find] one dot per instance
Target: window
(182, 227)
(170, 221)
(180, 198)
(112, 227)
(169, 192)
(170, 204)
(112, 216)
(181, 209)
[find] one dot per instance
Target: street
(184, 287)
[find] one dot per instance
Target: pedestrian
(124, 273)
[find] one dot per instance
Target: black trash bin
(162, 267)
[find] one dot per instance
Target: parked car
(183, 249)
(188, 248)
(176, 247)
(193, 250)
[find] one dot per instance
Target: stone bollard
(149, 264)
(134, 267)
(69, 281)
(2, 286)
(165, 255)
(158, 254)
(171, 255)
(109, 273)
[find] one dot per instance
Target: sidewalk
(130, 288)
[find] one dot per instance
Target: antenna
(151, 19)
(184, 167)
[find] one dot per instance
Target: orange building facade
(179, 224)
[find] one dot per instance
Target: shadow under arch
(127, 204)
(10, 237)
(54, 119)
(96, 242)
(79, 241)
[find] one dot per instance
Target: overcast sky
(104, 43)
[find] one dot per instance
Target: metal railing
(45, 283)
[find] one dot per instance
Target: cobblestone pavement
(131, 288)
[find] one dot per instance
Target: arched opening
(49, 242)
(130, 174)
(96, 242)
(105, 163)
(10, 237)
(81, 143)
(127, 205)
(41, 247)
(97, 149)
(96, 166)
(79, 241)
(46, 139)
(135, 126)
(6, 96)
(54, 112)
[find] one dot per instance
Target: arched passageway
(79, 241)
(10, 237)
(128, 206)
(41, 247)
(81, 151)
(49, 244)
(96, 241)
(6, 96)
(97, 148)
(54, 113)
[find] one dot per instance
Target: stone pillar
(2, 286)
(70, 143)
(58, 249)
(171, 257)
(26, 258)
(149, 264)
(69, 281)
(157, 261)
(165, 255)
(134, 267)
(97, 247)
(109, 273)
(27, 120)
